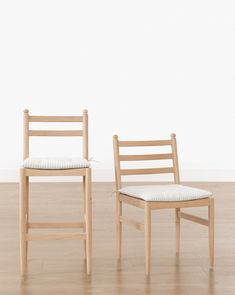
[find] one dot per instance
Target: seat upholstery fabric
(172, 192)
(55, 163)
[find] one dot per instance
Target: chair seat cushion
(165, 193)
(55, 163)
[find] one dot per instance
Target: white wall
(142, 68)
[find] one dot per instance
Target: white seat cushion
(165, 193)
(56, 163)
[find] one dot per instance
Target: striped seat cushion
(165, 193)
(56, 163)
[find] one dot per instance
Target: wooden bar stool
(55, 167)
(154, 197)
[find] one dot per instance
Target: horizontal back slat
(55, 132)
(147, 171)
(144, 143)
(55, 118)
(145, 157)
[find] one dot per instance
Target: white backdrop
(143, 69)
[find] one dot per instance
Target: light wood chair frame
(25, 173)
(148, 206)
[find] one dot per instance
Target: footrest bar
(194, 218)
(56, 237)
(131, 222)
(38, 225)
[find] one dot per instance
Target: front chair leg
(211, 231)
(23, 222)
(27, 211)
(147, 231)
(84, 210)
(88, 220)
(177, 230)
(118, 226)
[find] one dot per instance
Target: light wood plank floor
(57, 267)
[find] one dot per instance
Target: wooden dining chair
(54, 167)
(153, 197)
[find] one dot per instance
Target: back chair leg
(147, 231)
(84, 210)
(118, 226)
(211, 231)
(177, 229)
(88, 220)
(23, 221)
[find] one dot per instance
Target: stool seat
(165, 193)
(55, 163)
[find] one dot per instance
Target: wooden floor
(58, 267)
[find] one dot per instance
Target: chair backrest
(118, 158)
(83, 132)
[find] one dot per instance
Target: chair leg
(27, 210)
(177, 229)
(88, 220)
(118, 226)
(211, 231)
(23, 221)
(147, 231)
(84, 209)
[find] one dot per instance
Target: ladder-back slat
(55, 132)
(55, 118)
(145, 143)
(146, 157)
(147, 171)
